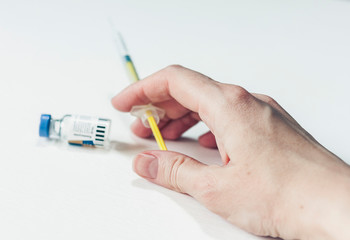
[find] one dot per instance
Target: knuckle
(235, 97)
(174, 67)
(269, 100)
(173, 173)
(236, 93)
(240, 94)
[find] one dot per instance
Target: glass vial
(77, 130)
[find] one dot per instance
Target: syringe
(149, 114)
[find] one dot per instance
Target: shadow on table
(210, 223)
(187, 146)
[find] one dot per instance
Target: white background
(58, 57)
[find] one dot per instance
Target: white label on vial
(83, 130)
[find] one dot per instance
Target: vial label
(88, 131)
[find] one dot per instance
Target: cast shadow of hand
(210, 223)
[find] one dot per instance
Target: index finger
(191, 89)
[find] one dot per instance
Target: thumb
(173, 170)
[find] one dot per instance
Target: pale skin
(276, 179)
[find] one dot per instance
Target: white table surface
(58, 57)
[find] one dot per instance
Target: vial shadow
(119, 146)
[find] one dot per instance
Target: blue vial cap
(44, 127)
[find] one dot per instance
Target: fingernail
(146, 165)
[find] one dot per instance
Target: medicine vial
(77, 130)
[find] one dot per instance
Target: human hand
(276, 179)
